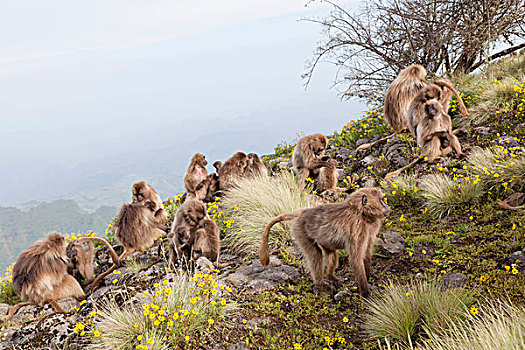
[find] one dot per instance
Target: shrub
(499, 168)
(405, 312)
(254, 202)
(499, 325)
(171, 316)
(370, 125)
(442, 195)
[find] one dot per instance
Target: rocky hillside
(445, 230)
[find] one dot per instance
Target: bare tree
(371, 45)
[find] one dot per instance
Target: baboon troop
(321, 231)
(51, 269)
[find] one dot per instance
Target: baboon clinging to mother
(320, 231)
(309, 156)
(195, 175)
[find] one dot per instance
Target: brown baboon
(207, 190)
(143, 193)
(80, 255)
(320, 231)
(254, 166)
(232, 170)
(308, 157)
(189, 218)
(207, 241)
(405, 88)
(195, 174)
(217, 165)
(136, 228)
(327, 179)
(400, 93)
(40, 275)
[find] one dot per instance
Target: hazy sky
(83, 80)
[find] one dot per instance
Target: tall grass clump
(443, 196)
(176, 314)
(253, 202)
(402, 192)
(500, 167)
(406, 312)
(499, 325)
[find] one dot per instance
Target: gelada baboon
(195, 174)
(434, 132)
(142, 193)
(80, 255)
(40, 275)
(232, 170)
(136, 228)
(308, 157)
(405, 88)
(327, 179)
(320, 231)
(255, 166)
(188, 219)
(207, 241)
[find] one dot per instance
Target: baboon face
(140, 192)
(195, 213)
(435, 118)
(318, 146)
(183, 235)
(371, 203)
(241, 158)
(199, 159)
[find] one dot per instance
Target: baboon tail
(264, 250)
(462, 107)
(112, 252)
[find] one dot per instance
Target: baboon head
(80, 254)
(431, 91)
(318, 144)
(141, 192)
(369, 202)
(199, 159)
(194, 212)
(435, 119)
(55, 244)
(183, 235)
(217, 165)
(240, 158)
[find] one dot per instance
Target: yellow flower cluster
(8, 277)
(334, 342)
(89, 233)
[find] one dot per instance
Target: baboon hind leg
(314, 259)
(367, 260)
(331, 262)
(57, 307)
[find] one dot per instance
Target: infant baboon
(142, 193)
(320, 231)
(254, 166)
(40, 275)
(195, 174)
(80, 255)
(308, 157)
(232, 170)
(207, 190)
(327, 179)
(207, 241)
(188, 219)
(136, 228)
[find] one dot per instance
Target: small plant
(172, 204)
(254, 202)
(7, 293)
(370, 125)
(499, 325)
(405, 312)
(171, 316)
(443, 196)
(402, 192)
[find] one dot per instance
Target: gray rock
(453, 280)
(238, 346)
(515, 200)
(343, 155)
(342, 295)
(340, 174)
(508, 141)
(517, 258)
(369, 182)
(369, 160)
(361, 142)
(420, 276)
(390, 242)
(203, 263)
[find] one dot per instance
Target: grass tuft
(254, 202)
(405, 312)
(443, 196)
